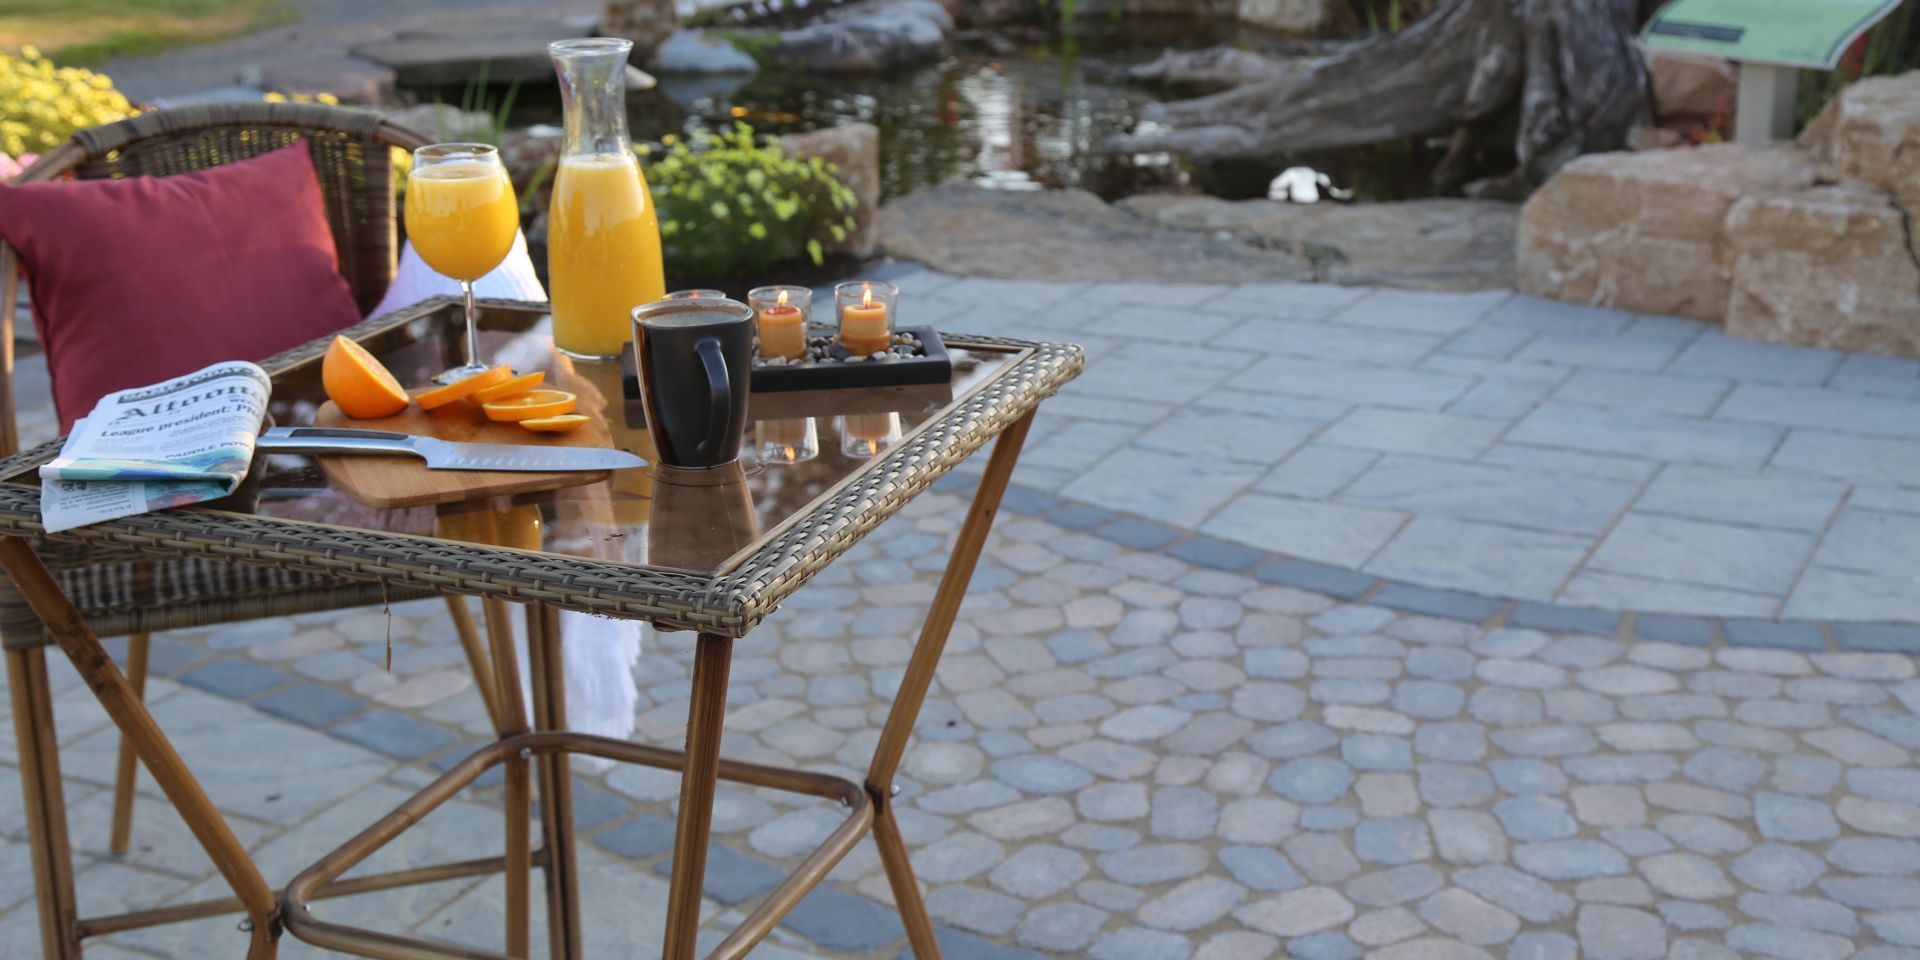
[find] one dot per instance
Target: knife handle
(334, 440)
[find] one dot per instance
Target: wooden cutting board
(403, 481)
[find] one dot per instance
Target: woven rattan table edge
(730, 603)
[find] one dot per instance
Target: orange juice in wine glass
(462, 219)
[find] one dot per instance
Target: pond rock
(349, 78)
(505, 51)
(1069, 235)
(871, 37)
(1443, 244)
(648, 23)
(698, 52)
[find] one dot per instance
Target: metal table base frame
(62, 928)
(870, 804)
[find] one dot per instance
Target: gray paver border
(1279, 569)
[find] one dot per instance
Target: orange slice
(441, 396)
(559, 424)
(501, 391)
(358, 384)
(533, 405)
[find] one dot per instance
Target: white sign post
(1764, 110)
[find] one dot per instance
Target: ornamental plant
(731, 205)
(41, 105)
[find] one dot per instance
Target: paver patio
(1161, 733)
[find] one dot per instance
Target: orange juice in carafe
(603, 259)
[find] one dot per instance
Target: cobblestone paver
(1128, 755)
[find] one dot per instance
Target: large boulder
(854, 151)
(1871, 132)
(1689, 85)
(1645, 231)
(1829, 266)
(1446, 244)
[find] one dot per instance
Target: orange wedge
(501, 391)
(358, 384)
(533, 405)
(441, 396)
(559, 424)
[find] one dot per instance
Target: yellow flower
(757, 231)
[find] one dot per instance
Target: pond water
(1030, 112)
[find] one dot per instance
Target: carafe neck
(593, 94)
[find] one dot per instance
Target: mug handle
(721, 390)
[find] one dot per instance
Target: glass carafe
(603, 236)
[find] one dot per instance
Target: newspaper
(184, 441)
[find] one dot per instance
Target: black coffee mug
(695, 362)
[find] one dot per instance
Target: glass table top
(799, 447)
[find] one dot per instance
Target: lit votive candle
(864, 435)
(781, 313)
(699, 294)
(866, 315)
(788, 441)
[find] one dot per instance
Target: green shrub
(731, 206)
(41, 105)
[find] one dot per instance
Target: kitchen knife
(446, 454)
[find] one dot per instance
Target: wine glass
(462, 219)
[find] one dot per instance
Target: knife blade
(446, 454)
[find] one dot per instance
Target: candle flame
(790, 454)
(783, 298)
(866, 295)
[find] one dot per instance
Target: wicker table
(713, 553)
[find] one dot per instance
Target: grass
(82, 32)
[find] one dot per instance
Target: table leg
(45, 808)
(511, 720)
(919, 678)
(546, 660)
(706, 720)
(477, 658)
(130, 715)
(127, 770)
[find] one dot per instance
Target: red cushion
(146, 278)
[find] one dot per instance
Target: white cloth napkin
(599, 656)
(513, 279)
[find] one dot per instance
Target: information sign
(1787, 33)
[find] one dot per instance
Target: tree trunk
(1568, 68)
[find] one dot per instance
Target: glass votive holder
(786, 442)
(781, 312)
(864, 435)
(697, 294)
(865, 309)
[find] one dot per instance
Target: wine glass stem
(473, 330)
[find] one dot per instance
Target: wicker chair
(133, 595)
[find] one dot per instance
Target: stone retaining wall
(1805, 243)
